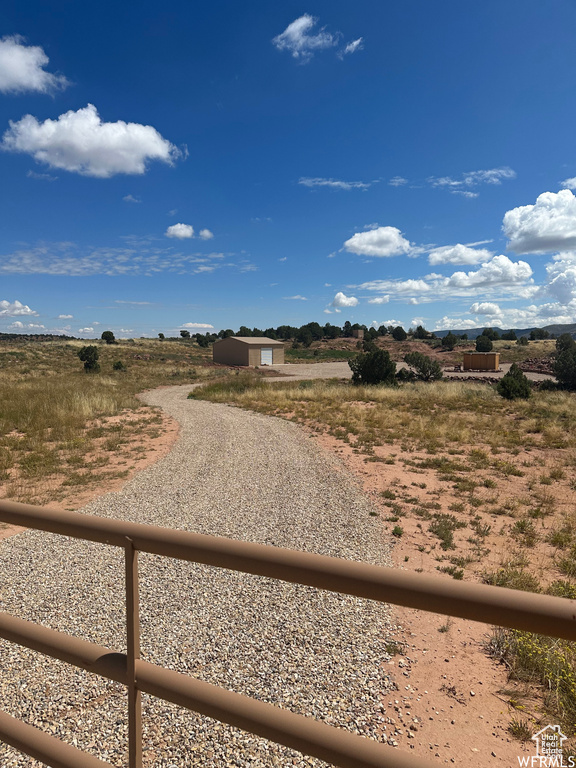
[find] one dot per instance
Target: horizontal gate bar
(304, 734)
(72, 650)
(40, 745)
(554, 616)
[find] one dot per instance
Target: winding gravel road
(231, 473)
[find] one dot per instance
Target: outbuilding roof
(256, 340)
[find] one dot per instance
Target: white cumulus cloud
(382, 241)
(22, 68)
(569, 183)
(86, 330)
(561, 278)
(81, 143)
(499, 273)
(196, 325)
(18, 326)
(65, 317)
(298, 39)
(340, 300)
(15, 309)
(180, 231)
(379, 300)
(548, 225)
(205, 234)
(296, 298)
(485, 308)
(458, 254)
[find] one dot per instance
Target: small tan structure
(248, 350)
(358, 333)
(481, 361)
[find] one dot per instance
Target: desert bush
(444, 526)
(405, 375)
(483, 344)
(514, 384)
(399, 334)
(373, 368)
(89, 356)
(424, 367)
(565, 363)
(118, 366)
(512, 578)
(449, 341)
(548, 661)
(108, 337)
(562, 588)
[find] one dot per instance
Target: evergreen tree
(373, 368)
(514, 384)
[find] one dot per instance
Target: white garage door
(265, 356)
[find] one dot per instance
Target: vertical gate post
(133, 654)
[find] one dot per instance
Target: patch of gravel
(232, 473)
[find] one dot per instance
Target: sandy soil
(451, 698)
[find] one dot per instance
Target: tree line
(306, 334)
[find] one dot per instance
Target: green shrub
(444, 526)
(108, 337)
(562, 588)
(399, 333)
(373, 368)
(424, 367)
(118, 366)
(483, 344)
(514, 384)
(89, 356)
(512, 578)
(449, 341)
(565, 363)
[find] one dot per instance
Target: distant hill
(473, 333)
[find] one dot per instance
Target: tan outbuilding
(481, 361)
(248, 350)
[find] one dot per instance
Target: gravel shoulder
(231, 473)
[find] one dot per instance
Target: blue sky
(196, 165)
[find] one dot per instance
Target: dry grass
(57, 421)
(429, 417)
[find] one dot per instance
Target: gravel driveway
(231, 473)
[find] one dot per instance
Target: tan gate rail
(547, 615)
